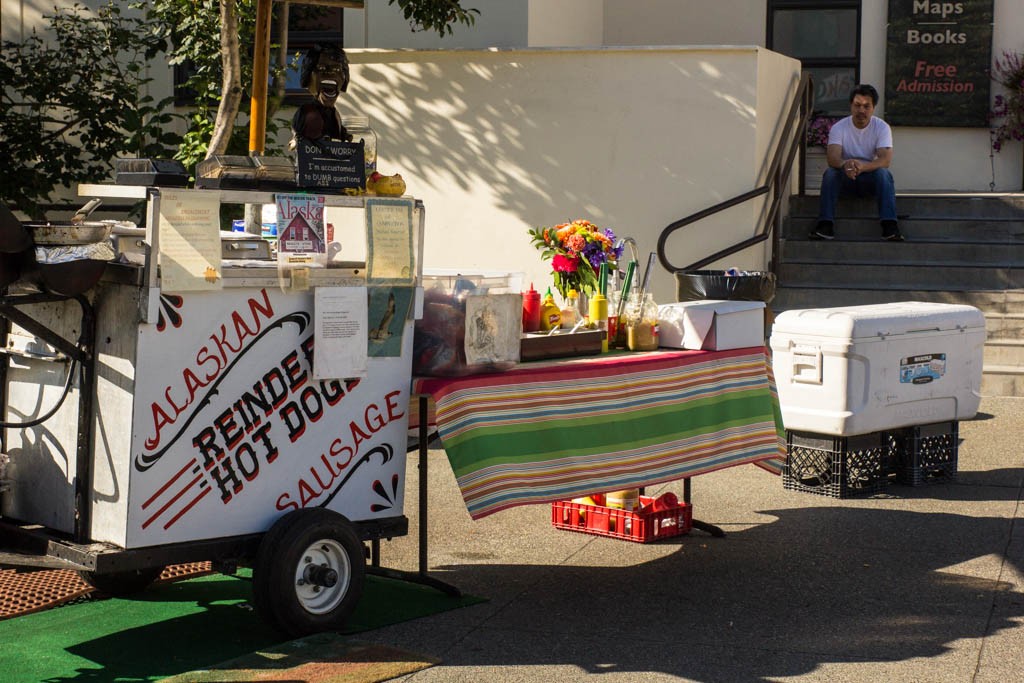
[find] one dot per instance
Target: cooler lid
(878, 320)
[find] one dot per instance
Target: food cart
(146, 424)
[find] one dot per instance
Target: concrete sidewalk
(916, 584)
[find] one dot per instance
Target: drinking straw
(647, 275)
(602, 279)
(630, 267)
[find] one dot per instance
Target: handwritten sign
(331, 165)
(937, 63)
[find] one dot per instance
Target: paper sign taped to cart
(190, 250)
(230, 429)
(389, 243)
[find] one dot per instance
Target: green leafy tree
(75, 100)
(216, 37)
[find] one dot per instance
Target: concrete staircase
(960, 248)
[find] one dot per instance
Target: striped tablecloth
(552, 430)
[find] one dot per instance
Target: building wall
(498, 141)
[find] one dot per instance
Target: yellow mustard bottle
(599, 317)
(550, 313)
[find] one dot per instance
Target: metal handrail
(790, 142)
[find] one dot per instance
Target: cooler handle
(806, 365)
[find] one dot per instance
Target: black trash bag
(693, 285)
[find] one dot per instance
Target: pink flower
(576, 242)
(564, 264)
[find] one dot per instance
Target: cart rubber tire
(122, 583)
(265, 558)
(310, 572)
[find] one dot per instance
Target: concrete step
(899, 276)
(923, 205)
(982, 254)
(1004, 352)
(1004, 325)
(980, 230)
(991, 302)
(1002, 381)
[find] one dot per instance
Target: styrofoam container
(711, 324)
(860, 369)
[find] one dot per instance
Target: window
(825, 37)
(307, 26)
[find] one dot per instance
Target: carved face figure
(325, 73)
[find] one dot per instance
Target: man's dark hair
(867, 91)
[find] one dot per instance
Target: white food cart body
(207, 421)
(859, 369)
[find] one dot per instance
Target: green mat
(176, 627)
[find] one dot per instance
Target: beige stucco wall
(498, 141)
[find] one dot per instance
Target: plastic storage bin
(470, 324)
(643, 526)
(838, 467)
(861, 369)
(927, 454)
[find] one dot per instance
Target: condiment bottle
(550, 313)
(627, 499)
(599, 317)
(531, 310)
(571, 309)
(642, 328)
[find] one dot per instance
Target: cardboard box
(711, 324)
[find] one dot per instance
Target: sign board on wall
(937, 63)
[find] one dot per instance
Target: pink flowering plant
(576, 250)
(818, 130)
(1008, 109)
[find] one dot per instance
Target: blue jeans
(878, 183)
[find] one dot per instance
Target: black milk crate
(927, 454)
(838, 466)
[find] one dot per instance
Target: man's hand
(852, 168)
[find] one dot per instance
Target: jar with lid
(642, 328)
(359, 128)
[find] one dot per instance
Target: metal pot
(73, 232)
(86, 232)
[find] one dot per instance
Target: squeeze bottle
(599, 317)
(550, 313)
(531, 310)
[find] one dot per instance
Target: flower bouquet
(576, 250)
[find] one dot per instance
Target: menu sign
(330, 164)
(937, 63)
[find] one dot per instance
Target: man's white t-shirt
(860, 143)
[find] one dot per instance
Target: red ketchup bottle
(531, 310)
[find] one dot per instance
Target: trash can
(693, 285)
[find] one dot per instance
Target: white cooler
(860, 369)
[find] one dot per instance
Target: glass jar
(359, 128)
(642, 328)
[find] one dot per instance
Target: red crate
(643, 526)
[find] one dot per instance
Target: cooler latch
(806, 364)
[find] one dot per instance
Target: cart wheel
(122, 583)
(310, 571)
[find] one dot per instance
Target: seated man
(859, 153)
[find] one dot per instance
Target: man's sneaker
(890, 232)
(823, 231)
